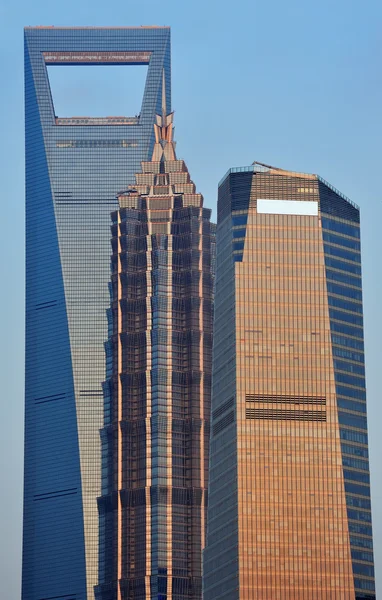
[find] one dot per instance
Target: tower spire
(164, 147)
(164, 103)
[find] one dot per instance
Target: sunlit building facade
(157, 393)
(289, 514)
(75, 166)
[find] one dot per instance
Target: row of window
(350, 380)
(342, 353)
(350, 367)
(365, 570)
(97, 143)
(345, 304)
(359, 490)
(238, 233)
(341, 241)
(334, 263)
(362, 555)
(347, 342)
(344, 316)
(361, 542)
(352, 420)
(351, 405)
(364, 584)
(340, 290)
(353, 436)
(359, 515)
(354, 450)
(343, 278)
(350, 392)
(358, 502)
(339, 227)
(239, 219)
(357, 476)
(342, 253)
(360, 529)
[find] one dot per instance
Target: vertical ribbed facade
(74, 169)
(157, 396)
(289, 498)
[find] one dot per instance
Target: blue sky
(293, 84)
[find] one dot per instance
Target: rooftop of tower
(258, 167)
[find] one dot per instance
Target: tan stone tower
(289, 498)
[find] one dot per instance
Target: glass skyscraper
(74, 170)
(289, 514)
(157, 393)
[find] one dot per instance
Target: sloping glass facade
(74, 169)
(341, 237)
(157, 395)
(289, 493)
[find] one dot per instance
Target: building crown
(164, 147)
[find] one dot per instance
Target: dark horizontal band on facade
(285, 415)
(85, 202)
(52, 398)
(223, 408)
(285, 399)
(96, 57)
(43, 305)
(185, 587)
(65, 597)
(219, 426)
(97, 143)
(161, 423)
(96, 121)
(55, 494)
(162, 495)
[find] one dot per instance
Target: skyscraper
(289, 498)
(157, 396)
(74, 169)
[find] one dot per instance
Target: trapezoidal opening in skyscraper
(97, 91)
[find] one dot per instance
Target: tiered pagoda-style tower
(157, 397)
